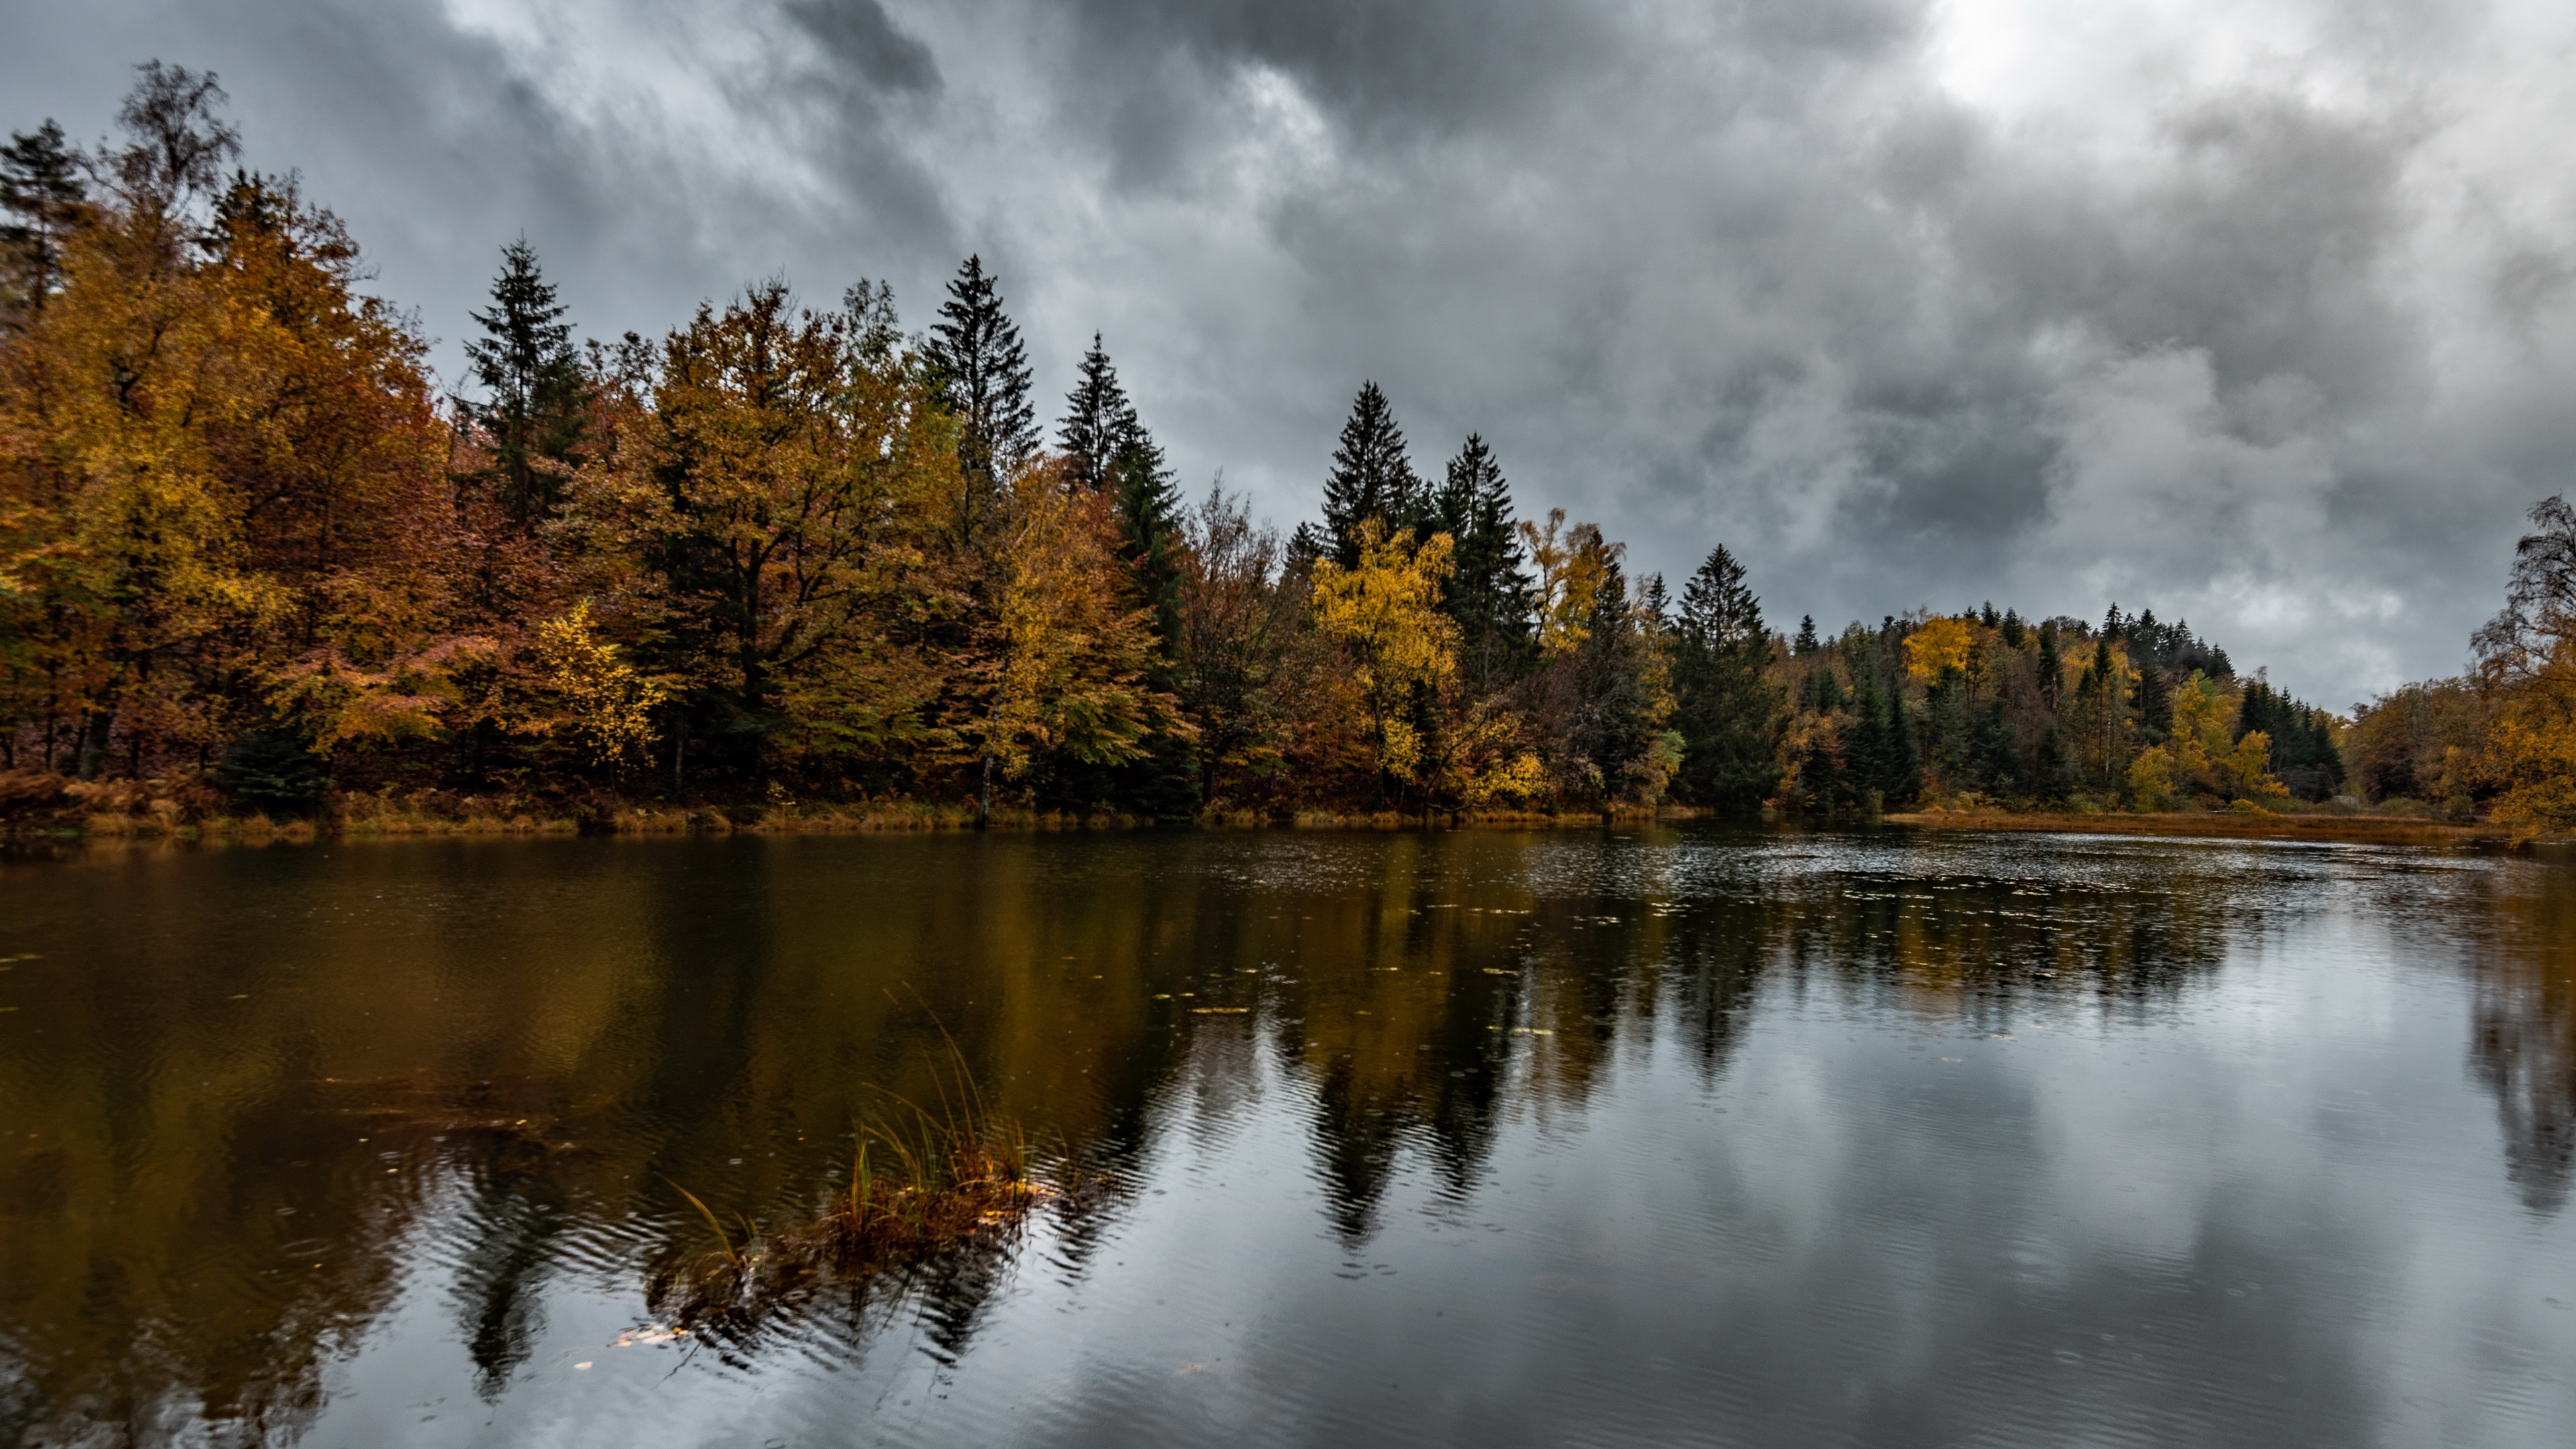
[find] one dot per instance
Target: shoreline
(2214, 825)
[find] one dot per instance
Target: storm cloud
(2257, 314)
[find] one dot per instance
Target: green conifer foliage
(982, 372)
(524, 362)
(40, 189)
(2154, 701)
(1730, 715)
(1098, 419)
(1488, 593)
(1372, 477)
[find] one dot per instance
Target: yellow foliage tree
(1942, 643)
(1064, 659)
(2528, 665)
(1423, 733)
(607, 705)
(1573, 565)
(1386, 612)
(2198, 758)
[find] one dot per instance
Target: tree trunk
(96, 724)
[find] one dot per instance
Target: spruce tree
(40, 189)
(1730, 716)
(1487, 593)
(2154, 701)
(1806, 641)
(1098, 420)
(526, 366)
(982, 373)
(1164, 784)
(1900, 767)
(1372, 477)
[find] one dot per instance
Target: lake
(1656, 1135)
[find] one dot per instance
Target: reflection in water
(273, 1110)
(2523, 1035)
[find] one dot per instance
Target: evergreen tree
(1995, 749)
(1730, 716)
(1865, 758)
(1098, 420)
(1372, 477)
(1617, 721)
(2012, 629)
(1306, 544)
(1488, 592)
(1900, 777)
(2052, 666)
(1149, 530)
(2154, 701)
(1806, 641)
(40, 189)
(982, 373)
(1165, 783)
(526, 365)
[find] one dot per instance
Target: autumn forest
(794, 560)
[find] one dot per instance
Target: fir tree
(1098, 420)
(982, 373)
(1806, 641)
(40, 189)
(1729, 715)
(526, 365)
(1372, 477)
(2052, 666)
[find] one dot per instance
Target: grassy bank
(186, 809)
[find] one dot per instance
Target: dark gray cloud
(2257, 313)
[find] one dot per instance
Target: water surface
(1672, 1136)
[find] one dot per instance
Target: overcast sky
(2255, 312)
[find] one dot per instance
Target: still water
(1655, 1136)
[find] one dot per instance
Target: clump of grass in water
(924, 1186)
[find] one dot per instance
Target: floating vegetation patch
(944, 1190)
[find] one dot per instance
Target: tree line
(789, 551)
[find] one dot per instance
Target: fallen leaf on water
(582, 1365)
(651, 1333)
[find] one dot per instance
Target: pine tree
(1731, 718)
(1098, 420)
(525, 362)
(982, 372)
(1372, 477)
(41, 190)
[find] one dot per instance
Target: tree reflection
(2522, 1032)
(250, 1135)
